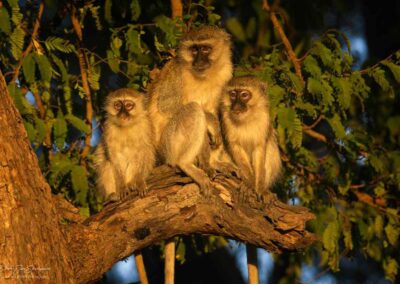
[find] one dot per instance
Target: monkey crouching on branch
(126, 154)
(251, 142)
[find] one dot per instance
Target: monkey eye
(193, 49)
(118, 105)
(129, 105)
(232, 94)
(245, 95)
(205, 49)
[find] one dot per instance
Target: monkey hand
(139, 187)
(228, 169)
(111, 198)
(215, 139)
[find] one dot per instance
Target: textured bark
(31, 241)
(175, 206)
(35, 246)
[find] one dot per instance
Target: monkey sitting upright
(248, 132)
(126, 154)
(251, 141)
(186, 93)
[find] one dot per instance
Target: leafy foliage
(338, 129)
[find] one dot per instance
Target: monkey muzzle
(201, 63)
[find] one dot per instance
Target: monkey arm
(242, 160)
(213, 130)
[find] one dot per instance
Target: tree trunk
(37, 247)
(32, 244)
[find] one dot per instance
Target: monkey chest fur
(204, 92)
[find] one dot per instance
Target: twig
(30, 45)
(307, 127)
(85, 83)
(177, 8)
(315, 135)
(282, 35)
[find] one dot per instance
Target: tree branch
(30, 45)
(289, 49)
(315, 134)
(85, 83)
(177, 8)
(174, 206)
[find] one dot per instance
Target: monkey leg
(252, 266)
(169, 266)
(141, 268)
(183, 140)
(108, 183)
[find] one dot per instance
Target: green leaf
(78, 123)
(288, 120)
(343, 91)
(60, 130)
(395, 69)
(135, 10)
(392, 234)
(330, 239)
(379, 76)
(80, 184)
(113, 62)
(5, 24)
(46, 71)
(28, 68)
(180, 252)
(41, 130)
(30, 131)
(337, 126)
(17, 42)
(60, 44)
(236, 29)
(133, 41)
(251, 27)
(312, 67)
(376, 162)
(323, 53)
(391, 268)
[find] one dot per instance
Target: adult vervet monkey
(126, 153)
(251, 141)
(187, 87)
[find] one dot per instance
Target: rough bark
(32, 245)
(175, 206)
(35, 246)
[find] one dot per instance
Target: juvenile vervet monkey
(251, 141)
(126, 153)
(187, 87)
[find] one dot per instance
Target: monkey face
(123, 106)
(239, 99)
(200, 57)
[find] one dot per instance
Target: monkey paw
(111, 198)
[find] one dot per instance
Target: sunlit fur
(249, 136)
(126, 154)
(180, 94)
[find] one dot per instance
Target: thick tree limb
(175, 206)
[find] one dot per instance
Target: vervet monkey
(189, 86)
(126, 153)
(251, 141)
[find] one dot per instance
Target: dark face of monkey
(123, 106)
(200, 54)
(239, 99)
(205, 50)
